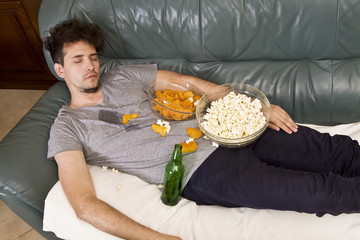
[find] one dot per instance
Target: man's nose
(89, 65)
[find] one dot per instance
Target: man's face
(81, 67)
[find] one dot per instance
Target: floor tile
(11, 225)
(13, 106)
(31, 235)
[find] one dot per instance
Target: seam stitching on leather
(201, 38)
(332, 60)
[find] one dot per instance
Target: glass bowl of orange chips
(173, 101)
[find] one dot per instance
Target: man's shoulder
(127, 73)
(129, 68)
(65, 115)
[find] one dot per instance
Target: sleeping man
(288, 168)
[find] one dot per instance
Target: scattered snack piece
(104, 167)
(160, 186)
(164, 124)
(214, 144)
(194, 132)
(127, 117)
(159, 129)
(114, 170)
(118, 188)
(189, 147)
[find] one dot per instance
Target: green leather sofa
(303, 54)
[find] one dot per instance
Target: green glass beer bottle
(174, 173)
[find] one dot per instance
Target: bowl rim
(152, 93)
(241, 140)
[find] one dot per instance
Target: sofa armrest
(26, 176)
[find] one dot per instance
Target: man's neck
(81, 99)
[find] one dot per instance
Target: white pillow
(141, 202)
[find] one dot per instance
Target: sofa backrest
(303, 54)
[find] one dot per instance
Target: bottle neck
(177, 154)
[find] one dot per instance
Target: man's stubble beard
(91, 90)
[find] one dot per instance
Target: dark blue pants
(306, 172)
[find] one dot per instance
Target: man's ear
(59, 70)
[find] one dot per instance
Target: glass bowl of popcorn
(173, 101)
(233, 114)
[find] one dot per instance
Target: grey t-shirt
(132, 148)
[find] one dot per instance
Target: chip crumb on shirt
(164, 124)
(160, 186)
(189, 140)
(104, 167)
(114, 170)
(119, 187)
(206, 137)
(214, 144)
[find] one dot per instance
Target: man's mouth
(91, 76)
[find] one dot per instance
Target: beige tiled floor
(13, 106)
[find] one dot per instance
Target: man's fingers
(280, 119)
(273, 126)
(280, 125)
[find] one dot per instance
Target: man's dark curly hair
(71, 31)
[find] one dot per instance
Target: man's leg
(237, 177)
(311, 151)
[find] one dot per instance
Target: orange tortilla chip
(169, 92)
(159, 129)
(188, 94)
(127, 117)
(186, 103)
(197, 97)
(189, 147)
(194, 132)
(176, 101)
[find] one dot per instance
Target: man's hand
(279, 119)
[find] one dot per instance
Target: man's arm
(279, 119)
(79, 189)
(168, 76)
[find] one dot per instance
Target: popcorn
(234, 116)
(164, 124)
(214, 144)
